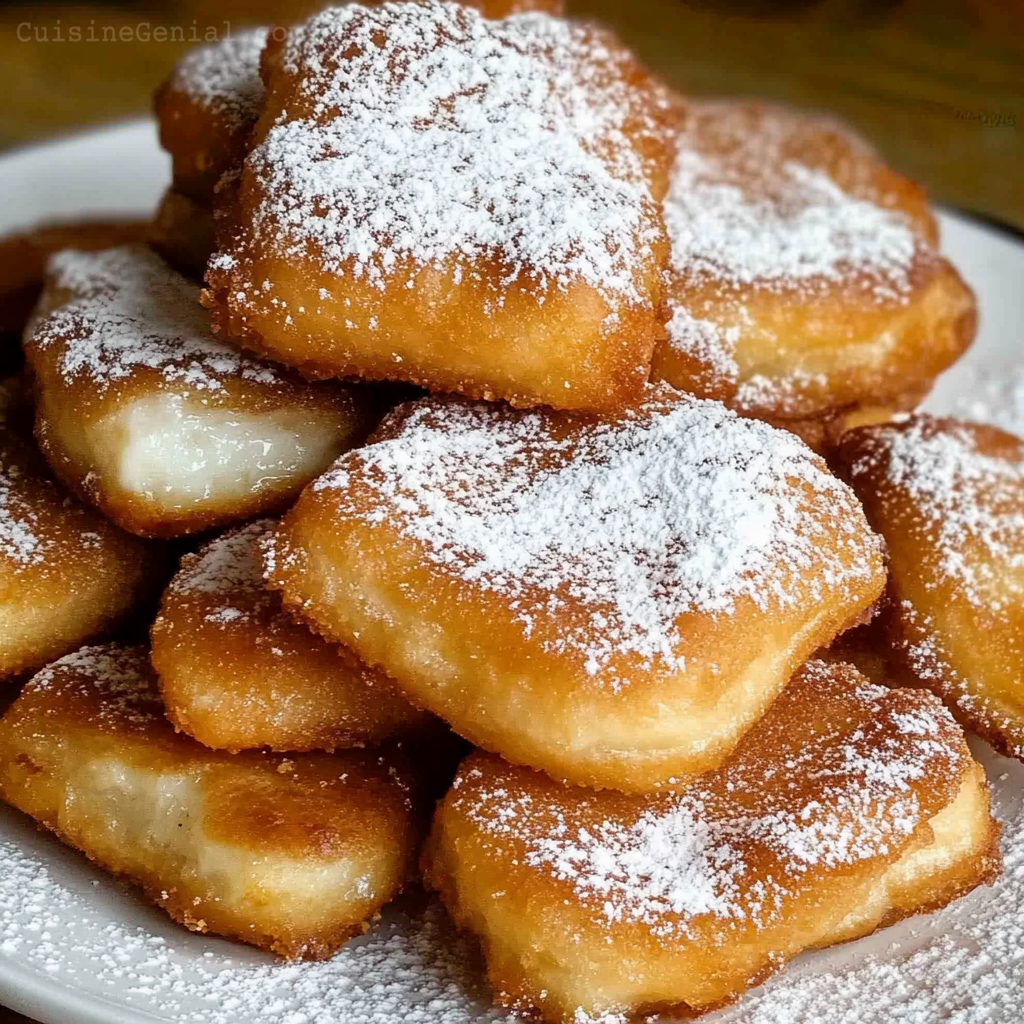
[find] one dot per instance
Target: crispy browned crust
(928, 629)
(264, 819)
(823, 711)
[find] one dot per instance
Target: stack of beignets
(601, 549)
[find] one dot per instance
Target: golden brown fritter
(804, 277)
(399, 219)
(144, 414)
(848, 807)
(66, 574)
(293, 854)
(614, 603)
(948, 497)
(237, 672)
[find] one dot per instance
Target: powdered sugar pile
(966, 499)
(680, 507)
(129, 311)
(444, 135)
(224, 78)
(847, 796)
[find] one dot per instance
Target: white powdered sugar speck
(228, 563)
(20, 545)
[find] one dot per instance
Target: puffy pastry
(23, 259)
(206, 109)
(293, 854)
(66, 574)
(614, 603)
(848, 807)
(948, 497)
(237, 672)
(804, 281)
(144, 414)
(401, 217)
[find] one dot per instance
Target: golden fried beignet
(23, 266)
(948, 497)
(237, 672)
(614, 603)
(292, 854)
(848, 807)
(183, 233)
(206, 109)
(66, 574)
(803, 277)
(141, 412)
(404, 216)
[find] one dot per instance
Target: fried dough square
(614, 603)
(237, 672)
(451, 201)
(66, 574)
(206, 109)
(292, 854)
(167, 431)
(804, 277)
(948, 497)
(848, 807)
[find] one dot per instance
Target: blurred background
(938, 85)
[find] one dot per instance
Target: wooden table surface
(937, 84)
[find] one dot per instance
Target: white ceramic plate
(77, 948)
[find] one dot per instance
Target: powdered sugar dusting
(444, 135)
(752, 217)
(128, 310)
(230, 566)
(708, 342)
(680, 507)
(229, 562)
(20, 543)
(121, 674)
(224, 77)
(967, 499)
(716, 850)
